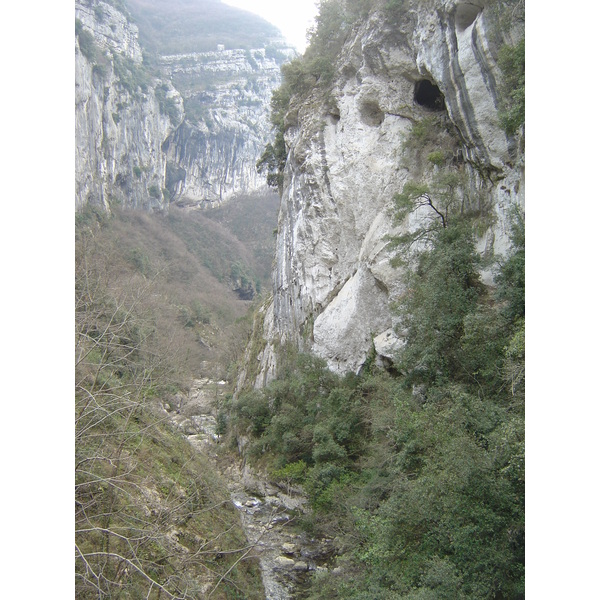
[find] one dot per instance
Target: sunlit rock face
(119, 124)
(333, 282)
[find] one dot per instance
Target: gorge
(184, 128)
(370, 388)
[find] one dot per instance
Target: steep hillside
(152, 516)
(161, 301)
(185, 26)
(202, 270)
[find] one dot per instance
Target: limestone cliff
(355, 146)
(211, 157)
(120, 121)
(156, 128)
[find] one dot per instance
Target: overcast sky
(292, 18)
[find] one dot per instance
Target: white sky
(293, 17)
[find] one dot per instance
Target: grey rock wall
(333, 282)
(119, 125)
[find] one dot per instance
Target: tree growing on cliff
(272, 162)
(512, 64)
(444, 288)
(436, 206)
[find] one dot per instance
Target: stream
(287, 557)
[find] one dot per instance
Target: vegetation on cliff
(512, 63)
(417, 475)
(314, 71)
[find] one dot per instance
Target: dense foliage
(419, 476)
(87, 45)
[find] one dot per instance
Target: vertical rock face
(189, 129)
(211, 157)
(119, 122)
(350, 152)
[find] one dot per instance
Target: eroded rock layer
(151, 130)
(352, 149)
(119, 124)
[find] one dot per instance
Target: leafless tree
(141, 502)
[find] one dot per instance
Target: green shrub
(222, 423)
(100, 70)
(140, 260)
(167, 105)
(201, 313)
(511, 60)
(510, 278)
(131, 75)
(292, 472)
(423, 132)
(194, 314)
(87, 44)
(443, 291)
(252, 412)
(155, 192)
(437, 158)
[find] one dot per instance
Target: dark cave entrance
(466, 15)
(429, 95)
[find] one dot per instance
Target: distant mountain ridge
(172, 101)
(182, 26)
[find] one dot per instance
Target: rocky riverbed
(287, 556)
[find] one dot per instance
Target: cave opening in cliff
(466, 13)
(371, 113)
(429, 95)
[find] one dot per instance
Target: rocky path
(287, 557)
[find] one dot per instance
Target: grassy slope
(189, 257)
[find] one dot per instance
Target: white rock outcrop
(212, 156)
(333, 282)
